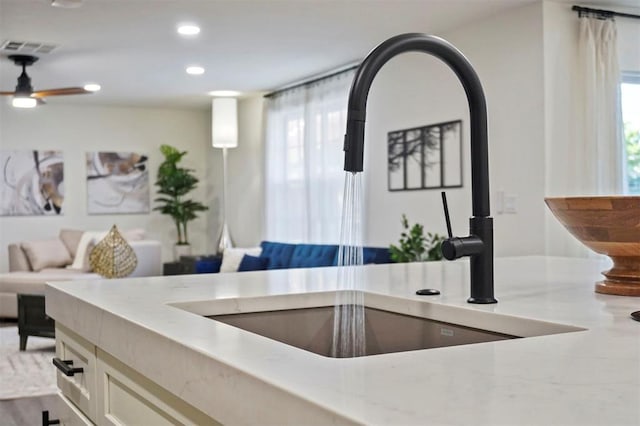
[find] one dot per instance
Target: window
(630, 97)
(304, 176)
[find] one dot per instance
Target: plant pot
(181, 250)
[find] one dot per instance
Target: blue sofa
(283, 256)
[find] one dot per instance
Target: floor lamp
(224, 135)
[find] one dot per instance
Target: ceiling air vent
(26, 47)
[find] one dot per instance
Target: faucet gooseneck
(479, 244)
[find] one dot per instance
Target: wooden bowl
(609, 226)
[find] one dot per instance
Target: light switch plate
(510, 203)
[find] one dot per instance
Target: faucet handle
(456, 247)
(446, 213)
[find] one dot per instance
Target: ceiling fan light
(24, 102)
(92, 87)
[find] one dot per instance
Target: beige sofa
(32, 265)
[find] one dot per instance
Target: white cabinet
(106, 392)
(128, 398)
(69, 414)
(76, 353)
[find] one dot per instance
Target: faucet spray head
(354, 144)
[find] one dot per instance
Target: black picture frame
(426, 157)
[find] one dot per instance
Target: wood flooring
(27, 411)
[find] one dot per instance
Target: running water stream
(348, 325)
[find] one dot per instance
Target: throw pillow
(87, 243)
(136, 234)
(253, 263)
(71, 239)
(46, 254)
(232, 257)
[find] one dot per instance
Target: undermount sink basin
(391, 324)
(311, 329)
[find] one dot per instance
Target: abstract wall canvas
(425, 157)
(32, 183)
(117, 182)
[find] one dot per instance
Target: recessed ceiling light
(194, 70)
(188, 29)
(67, 4)
(92, 87)
(224, 93)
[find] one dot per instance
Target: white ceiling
(131, 48)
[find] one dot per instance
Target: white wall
(416, 89)
(79, 129)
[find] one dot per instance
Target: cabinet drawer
(69, 414)
(128, 398)
(80, 388)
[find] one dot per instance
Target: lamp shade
(224, 123)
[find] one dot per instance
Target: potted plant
(174, 183)
(414, 246)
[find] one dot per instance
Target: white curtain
(304, 161)
(599, 148)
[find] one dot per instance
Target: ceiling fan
(25, 97)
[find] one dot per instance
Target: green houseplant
(174, 183)
(414, 246)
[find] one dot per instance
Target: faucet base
(482, 300)
(481, 264)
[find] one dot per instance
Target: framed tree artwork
(426, 157)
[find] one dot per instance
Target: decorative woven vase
(113, 257)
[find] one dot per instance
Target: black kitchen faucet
(479, 244)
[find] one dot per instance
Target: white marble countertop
(582, 378)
